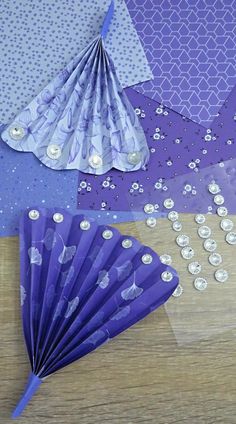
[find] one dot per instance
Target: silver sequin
(107, 234)
(200, 218)
(167, 276)
(221, 275)
(95, 161)
(194, 268)
(85, 225)
(226, 224)
(53, 151)
(231, 238)
(58, 217)
(147, 259)
(215, 259)
(127, 243)
(204, 231)
(33, 214)
(219, 199)
(182, 240)
(134, 158)
(16, 132)
(210, 245)
(200, 283)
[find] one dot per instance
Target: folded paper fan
(82, 119)
(81, 285)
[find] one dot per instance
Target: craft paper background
(182, 147)
(39, 38)
(191, 48)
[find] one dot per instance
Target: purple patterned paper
(178, 146)
(191, 48)
(81, 285)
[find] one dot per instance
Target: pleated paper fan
(82, 119)
(81, 285)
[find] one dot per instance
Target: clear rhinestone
(219, 199)
(168, 203)
(204, 231)
(147, 259)
(173, 216)
(200, 219)
(127, 243)
(16, 132)
(85, 225)
(58, 217)
(213, 188)
(107, 234)
(194, 268)
(151, 222)
(221, 275)
(95, 161)
(178, 291)
(167, 276)
(53, 151)
(149, 208)
(182, 240)
(215, 259)
(187, 252)
(231, 238)
(177, 226)
(134, 158)
(222, 211)
(33, 214)
(200, 283)
(226, 224)
(210, 245)
(166, 259)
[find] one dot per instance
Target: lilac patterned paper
(191, 48)
(81, 285)
(178, 146)
(82, 119)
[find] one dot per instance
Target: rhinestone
(226, 224)
(169, 203)
(173, 216)
(147, 259)
(182, 240)
(53, 151)
(95, 161)
(213, 188)
(167, 276)
(187, 252)
(194, 268)
(134, 158)
(58, 217)
(166, 259)
(231, 238)
(200, 283)
(200, 219)
(149, 208)
(178, 291)
(215, 259)
(204, 231)
(84, 225)
(107, 234)
(17, 132)
(33, 214)
(151, 222)
(210, 245)
(221, 275)
(177, 226)
(219, 199)
(222, 211)
(127, 243)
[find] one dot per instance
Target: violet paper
(178, 146)
(80, 287)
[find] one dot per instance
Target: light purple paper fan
(81, 285)
(82, 119)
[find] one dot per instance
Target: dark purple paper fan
(81, 285)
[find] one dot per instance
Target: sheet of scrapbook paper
(39, 38)
(178, 146)
(191, 47)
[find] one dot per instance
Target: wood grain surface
(178, 365)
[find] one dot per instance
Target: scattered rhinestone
(213, 188)
(200, 284)
(231, 238)
(173, 216)
(194, 268)
(221, 275)
(200, 219)
(182, 240)
(166, 259)
(149, 208)
(187, 252)
(204, 231)
(219, 199)
(210, 245)
(215, 259)
(178, 291)
(151, 222)
(222, 211)
(226, 224)
(168, 203)
(177, 226)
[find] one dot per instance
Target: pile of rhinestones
(205, 233)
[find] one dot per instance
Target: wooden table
(144, 375)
